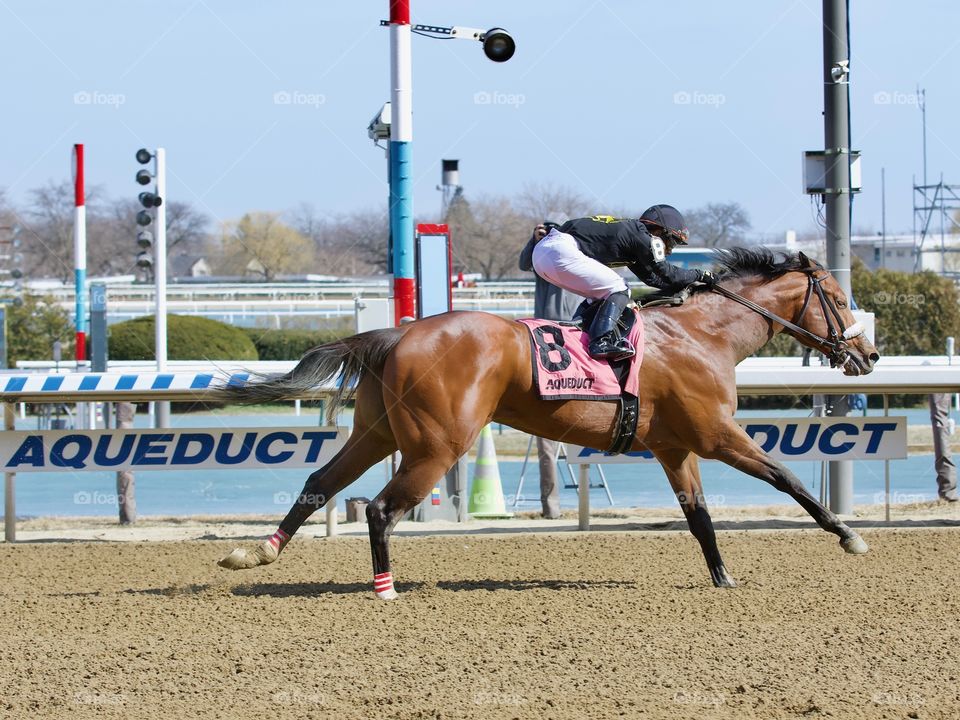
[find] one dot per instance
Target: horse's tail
(347, 360)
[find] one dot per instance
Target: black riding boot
(605, 340)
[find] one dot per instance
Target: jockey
(580, 254)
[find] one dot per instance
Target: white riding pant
(559, 260)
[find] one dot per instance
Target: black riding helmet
(668, 219)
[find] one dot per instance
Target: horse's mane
(740, 262)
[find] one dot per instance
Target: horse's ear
(804, 260)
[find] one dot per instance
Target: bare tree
(187, 228)
(352, 244)
(545, 201)
(718, 224)
(111, 238)
(47, 230)
(488, 234)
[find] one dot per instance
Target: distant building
(900, 252)
(255, 269)
(187, 266)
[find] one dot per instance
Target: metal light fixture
(498, 45)
(149, 199)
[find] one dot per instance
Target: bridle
(834, 345)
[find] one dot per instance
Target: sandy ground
(522, 625)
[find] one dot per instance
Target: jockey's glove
(707, 278)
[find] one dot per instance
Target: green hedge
(33, 325)
(188, 338)
(289, 344)
(915, 313)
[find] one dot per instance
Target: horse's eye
(841, 303)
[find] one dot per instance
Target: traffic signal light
(149, 199)
(11, 259)
(145, 243)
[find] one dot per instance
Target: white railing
(277, 304)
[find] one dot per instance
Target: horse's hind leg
(412, 483)
(430, 445)
(683, 472)
(738, 450)
(368, 444)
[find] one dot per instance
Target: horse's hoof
(240, 559)
(390, 594)
(724, 580)
(854, 545)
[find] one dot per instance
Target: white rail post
(886, 466)
(9, 485)
(583, 508)
(332, 516)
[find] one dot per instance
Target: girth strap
(626, 424)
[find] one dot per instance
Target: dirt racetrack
(612, 624)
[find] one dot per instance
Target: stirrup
(604, 349)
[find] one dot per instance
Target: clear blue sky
(593, 99)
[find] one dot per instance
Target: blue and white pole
(401, 140)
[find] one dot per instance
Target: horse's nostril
(874, 357)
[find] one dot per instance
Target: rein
(834, 346)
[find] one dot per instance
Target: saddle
(564, 370)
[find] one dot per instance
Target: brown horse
(429, 388)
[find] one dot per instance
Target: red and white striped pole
(80, 252)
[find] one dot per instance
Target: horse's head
(825, 314)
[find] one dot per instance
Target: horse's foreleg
(738, 450)
(363, 449)
(683, 472)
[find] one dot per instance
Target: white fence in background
(277, 305)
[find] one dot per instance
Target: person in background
(943, 458)
(549, 303)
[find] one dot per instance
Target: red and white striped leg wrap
(278, 539)
(383, 585)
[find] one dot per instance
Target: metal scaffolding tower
(936, 212)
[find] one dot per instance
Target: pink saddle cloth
(564, 370)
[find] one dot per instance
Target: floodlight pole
(498, 46)
(160, 281)
(400, 172)
(836, 126)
